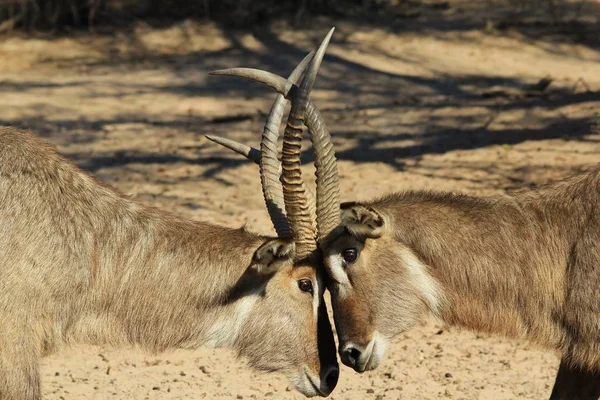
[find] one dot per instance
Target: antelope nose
(350, 355)
(331, 380)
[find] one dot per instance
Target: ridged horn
(296, 201)
(328, 196)
(328, 183)
(270, 166)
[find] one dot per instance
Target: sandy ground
(410, 105)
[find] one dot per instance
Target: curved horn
(249, 152)
(328, 183)
(296, 202)
(328, 193)
(269, 79)
(270, 166)
(328, 216)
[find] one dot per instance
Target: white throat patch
(422, 280)
(229, 321)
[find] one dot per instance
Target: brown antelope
(83, 264)
(525, 265)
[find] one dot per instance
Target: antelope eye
(350, 255)
(305, 285)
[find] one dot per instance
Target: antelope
(83, 264)
(524, 265)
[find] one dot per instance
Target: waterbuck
(83, 264)
(525, 265)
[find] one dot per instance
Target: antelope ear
(273, 255)
(361, 220)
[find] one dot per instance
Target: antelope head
(378, 286)
(293, 320)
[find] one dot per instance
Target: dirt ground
(410, 106)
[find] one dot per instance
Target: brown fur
(525, 266)
(82, 264)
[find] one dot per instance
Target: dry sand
(420, 109)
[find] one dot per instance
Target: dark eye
(350, 255)
(305, 285)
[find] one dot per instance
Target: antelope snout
(330, 381)
(363, 358)
(353, 356)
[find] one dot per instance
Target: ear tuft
(362, 221)
(273, 255)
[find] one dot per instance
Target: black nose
(332, 378)
(350, 356)
(330, 381)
